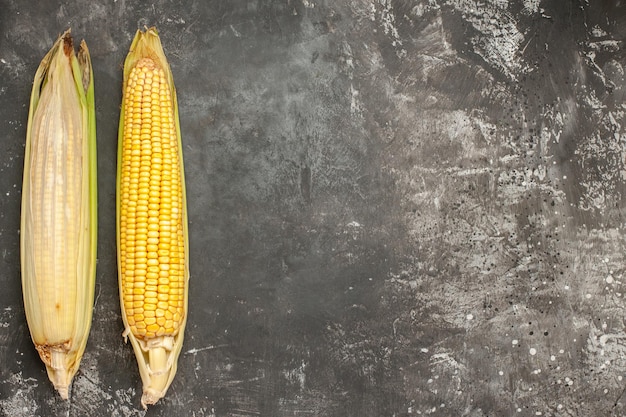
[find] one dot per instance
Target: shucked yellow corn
(58, 224)
(151, 216)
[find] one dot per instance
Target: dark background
(396, 207)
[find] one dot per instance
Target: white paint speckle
(388, 21)
(514, 342)
(498, 40)
(22, 403)
(470, 316)
(235, 31)
(553, 358)
(531, 6)
(297, 374)
(532, 351)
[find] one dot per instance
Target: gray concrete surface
(397, 207)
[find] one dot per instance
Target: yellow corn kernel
(151, 212)
(58, 224)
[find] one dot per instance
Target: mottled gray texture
(397, 208)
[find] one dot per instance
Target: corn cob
(151, 216)
(58, 220)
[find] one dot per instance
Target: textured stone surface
(397, 208)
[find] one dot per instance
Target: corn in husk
(58, 220)
(151, 216)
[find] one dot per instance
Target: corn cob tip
(59, 366)
(150, 397)
(58, 372)
(63, 392)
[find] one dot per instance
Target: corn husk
(58, 216)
